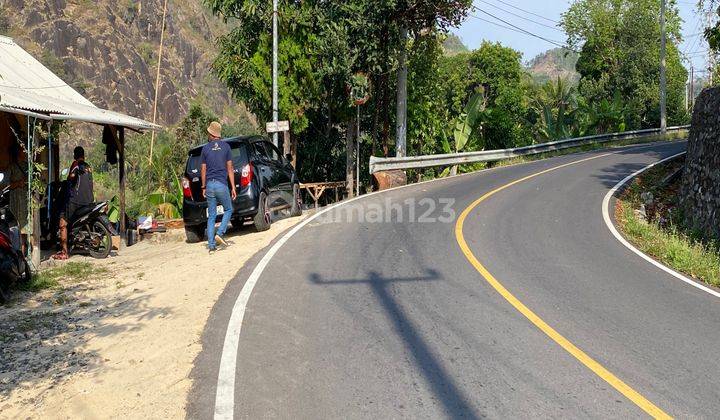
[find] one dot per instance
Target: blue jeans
(217, 191)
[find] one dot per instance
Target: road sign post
(275, 127)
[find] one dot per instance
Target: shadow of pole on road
(454, 402)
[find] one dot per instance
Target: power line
(689, 47)
(527, 11)
(523, 32)
(521, 17)
(519, 29)
(496, 24)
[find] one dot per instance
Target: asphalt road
(390, 320)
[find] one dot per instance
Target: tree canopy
(620, 54)
(323, 44)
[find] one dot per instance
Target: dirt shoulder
(121, 341)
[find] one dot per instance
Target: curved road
(391, 320)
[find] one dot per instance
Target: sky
(541, 17)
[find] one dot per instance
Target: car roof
(230, 140)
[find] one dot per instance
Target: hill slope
(108, 51)
(552, 64)
(453, 45)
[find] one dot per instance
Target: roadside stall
(33, 101)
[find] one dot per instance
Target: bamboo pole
(157, 79)
(121, 185)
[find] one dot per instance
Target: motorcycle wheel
(104, 246)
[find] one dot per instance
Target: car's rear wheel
(261, 220)
(195, 234)
(296, 209)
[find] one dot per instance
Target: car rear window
(239, 157)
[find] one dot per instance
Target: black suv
(264, 179)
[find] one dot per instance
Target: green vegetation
(712, 34)
(70, 271)
(619, 56)
(147, 53)
(664, 237)
(324, 43)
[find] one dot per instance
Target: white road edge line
(619, 237)
(225, 392)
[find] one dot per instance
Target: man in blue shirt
(216, 170)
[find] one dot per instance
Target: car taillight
(246, 175)
(5, 242)
(186, 188)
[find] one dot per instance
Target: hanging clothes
(110, 141)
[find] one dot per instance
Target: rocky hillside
(108, 51)
(552, 64)
(453, 45)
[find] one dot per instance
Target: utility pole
(687, 95)
(157, 78)
(692, 88)
(401, 123)
(357, 155)
(275, 69)
(663, 81)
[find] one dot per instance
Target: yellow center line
(580, 355)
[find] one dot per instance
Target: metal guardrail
(427, 161)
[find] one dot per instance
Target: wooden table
(316, 189)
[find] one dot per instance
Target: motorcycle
(91, 231)
(13, 266)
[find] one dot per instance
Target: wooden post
(286, 142)
(121, 180)
(290, 148)
(293, 152)
(35, 200)
(350, 160)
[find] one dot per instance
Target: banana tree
(605, 116)
(168, 203)
(466, 124)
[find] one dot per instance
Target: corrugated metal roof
(28, 85)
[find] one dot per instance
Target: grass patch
(665, 239)
(50, 278)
